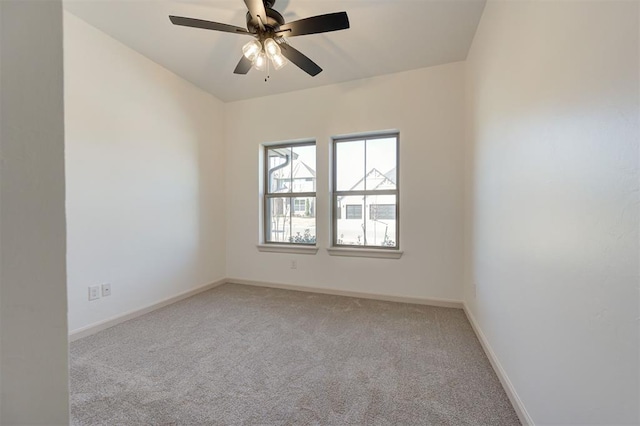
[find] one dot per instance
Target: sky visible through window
(306, 154)
(350, 160)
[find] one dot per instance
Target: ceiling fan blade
(243, 66)
(256, 9)
(316, 24)
(300, 60)
(207, 25)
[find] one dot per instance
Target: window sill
(287, 248)
(374, 253)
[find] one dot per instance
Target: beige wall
(33, 303)
(426, 106)
(552, 204)
(145, 178)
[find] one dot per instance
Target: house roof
(385, 178)
(388, 177)
(298, 170)
(391, 175)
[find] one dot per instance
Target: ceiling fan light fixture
(260, 62)
(251, 50)
(271, 48)
(278, 61)
(267, 26)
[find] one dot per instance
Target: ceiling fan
(270, 33)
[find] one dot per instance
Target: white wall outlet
(294, 264)
(94, 292)
(106, 290)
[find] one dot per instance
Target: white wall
(33, 309)
(553, 204)
(145, 180)
(426, 106)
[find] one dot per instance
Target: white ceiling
(385, 37)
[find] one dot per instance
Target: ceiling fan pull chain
(268, 76)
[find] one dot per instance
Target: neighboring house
(379, 207)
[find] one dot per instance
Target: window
(299, 205)
(382, 212)
(354, 211)
(290, 194)
(365, 179)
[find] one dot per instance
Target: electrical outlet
(106, 290)
(294, 264)
(94, 292)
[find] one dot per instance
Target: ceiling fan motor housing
(272, 22)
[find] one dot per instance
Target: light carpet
(247, 355)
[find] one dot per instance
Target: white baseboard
(517, 403)
(445, 303)
(110, 322)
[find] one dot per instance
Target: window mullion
(290, 194)
(364, 197)
(371, 192)
(291, 217)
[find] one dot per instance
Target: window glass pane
(380, 222)
(278, 220)
(303, 168)
(350, 222)
(303, 221)
(349, 165)
(381, 164)
(279, 170)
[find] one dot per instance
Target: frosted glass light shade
(260, 61)
(271, 47)
(278, 61)
(251, 50)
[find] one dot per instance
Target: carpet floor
(257, 356)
